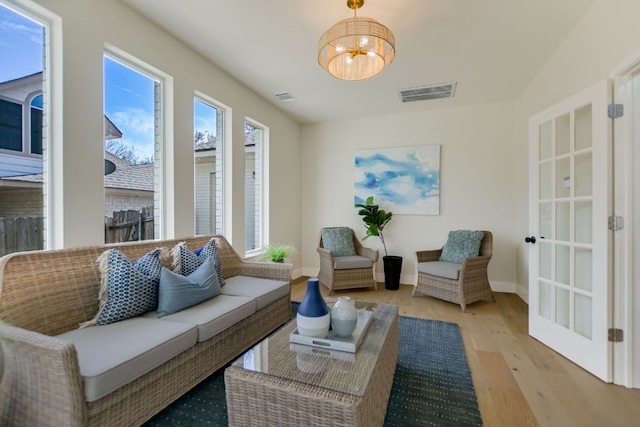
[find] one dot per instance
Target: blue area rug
(432, 385)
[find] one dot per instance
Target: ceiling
(491, 48)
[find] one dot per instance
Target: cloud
(138, 130)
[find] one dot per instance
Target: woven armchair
(472, 284)
(341, 278)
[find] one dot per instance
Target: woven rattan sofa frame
(45, 293)
(472, 284)
(346, 279)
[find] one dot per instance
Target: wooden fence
(20, 234)
(26, 233)
(126, 226)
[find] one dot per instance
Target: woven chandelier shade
(356, 48)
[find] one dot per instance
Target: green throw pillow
(461, 244)
(338, 240)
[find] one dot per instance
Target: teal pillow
(461, 244)
(177, 292)
(338, 240)
(186, 262)
(127, 289)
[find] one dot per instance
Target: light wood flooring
(518, 381)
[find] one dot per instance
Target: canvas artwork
(403, 180)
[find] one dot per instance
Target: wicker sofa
(44, 294)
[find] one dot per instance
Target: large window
(208, 153)
(132, 139)
(253, 187)
(22, 170)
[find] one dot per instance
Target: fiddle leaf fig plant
(375, 219)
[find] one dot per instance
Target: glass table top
(334, 370)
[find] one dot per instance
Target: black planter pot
(392, 268)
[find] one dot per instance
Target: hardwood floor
(518, 381)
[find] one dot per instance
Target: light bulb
(364, 41)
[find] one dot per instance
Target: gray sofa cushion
(351, 262)
(113, 355)
(265, 291)
(448, 270)
(215, 315)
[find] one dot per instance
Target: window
(132, 111)
(22, 140)
(208, 143)
(254, 186)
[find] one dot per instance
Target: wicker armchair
(472, 283)
(336, 274)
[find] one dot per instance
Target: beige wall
(87, 27)
(477, 189)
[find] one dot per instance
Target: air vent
(424, 93)
(285, 96)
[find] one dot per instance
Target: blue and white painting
(404, 180)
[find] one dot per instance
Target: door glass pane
(562, 264)
(563, 128)
(583, 269)
(583, 127)
(545, 140)
(545, 220)
(563, 178)
(583, 316)
(583, 222)
(545, 260)
(563, 217)
(562, 307)
(583, 175)
(545, 181)
(544, 298)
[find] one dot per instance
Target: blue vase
(313, 318)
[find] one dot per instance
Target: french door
(569, 254)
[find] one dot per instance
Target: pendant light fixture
(356, 48)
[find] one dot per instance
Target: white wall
(87, 27)
(607, 37)
(477, 189)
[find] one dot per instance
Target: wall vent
(424, 93)
(285, 96)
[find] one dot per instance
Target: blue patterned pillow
(461, 244)
(339, 240)
(127, 289)
(177, 292)
(186, 262)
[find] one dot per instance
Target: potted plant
(276, 252)
(375, 219)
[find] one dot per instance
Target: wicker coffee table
(278, 383)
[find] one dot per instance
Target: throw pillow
(461, 244)
(127, 289)
(339, 240)
(186, 262)
(177, 292)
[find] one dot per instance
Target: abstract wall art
(403, 180)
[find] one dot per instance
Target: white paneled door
(569, 254)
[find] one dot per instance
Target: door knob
(531, 239)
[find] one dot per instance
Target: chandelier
(356, 48)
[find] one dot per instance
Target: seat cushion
(338, 240)
(461, 244)
(351, 262)
(113, 355)
(215, 315)
(448, 270)
(265, 291)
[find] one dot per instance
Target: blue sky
(128, 98)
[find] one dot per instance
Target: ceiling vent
(424, 93)
(285, 96)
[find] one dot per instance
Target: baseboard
(523, 293)
(296, 273)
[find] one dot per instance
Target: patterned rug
(432, 385)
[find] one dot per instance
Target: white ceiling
(492, 48)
